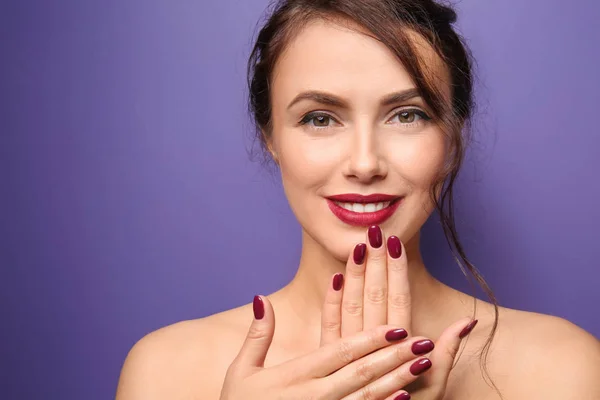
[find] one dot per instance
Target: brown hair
(391, 22)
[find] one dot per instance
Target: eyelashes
(317, 118)
(407, 117)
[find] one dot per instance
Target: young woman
(364, 105)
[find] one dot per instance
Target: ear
(270, 147)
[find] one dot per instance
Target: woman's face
(342, 124)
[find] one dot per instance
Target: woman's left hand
(375, 292)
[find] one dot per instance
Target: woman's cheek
(308, 160)
(424, 160)
(303, 171)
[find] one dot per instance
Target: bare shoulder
(550, 357)
(185, 360)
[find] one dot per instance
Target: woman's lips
(366, 218)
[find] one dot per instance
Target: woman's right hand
(367, 365)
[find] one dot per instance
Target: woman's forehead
(344, 58)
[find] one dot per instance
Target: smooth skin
(349, 369)
(361, 146)
(380, 286)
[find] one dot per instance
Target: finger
(376, 287)
(399, 298)
(393, 381)
(333, 356)
(258, 340)
(352, 298)
(445, 352)
(331, 317)
(360, 376)
(399, 395)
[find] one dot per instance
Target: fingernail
(359, 253)
(396, 334)
(394, 247)
(338, 281)
(420, 366)
(375, 236)
(422, 347)
(402, 396)
(467, 329)
(259, 307)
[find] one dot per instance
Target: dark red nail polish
(396, 334)
(420, 366)
(259, 307)
(359, 253)
(402, 396)
(467, 329)
(375, 236)
(338, 281)
(394, 247)
(422, 347)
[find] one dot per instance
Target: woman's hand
(376, 292)
(369, 364)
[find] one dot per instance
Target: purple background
(129, 201)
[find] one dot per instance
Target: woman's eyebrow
(401, 96)
(319, 97)
(333, 100)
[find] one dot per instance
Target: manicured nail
(467, 329)
(338, 281)
(259, 307)
(420, 366)
(375, 236)
(394, 247)
(402, 396)
(422, 347)
(359, 253)
(396, 334)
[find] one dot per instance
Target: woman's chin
(342, 249)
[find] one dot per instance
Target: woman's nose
(365, 162)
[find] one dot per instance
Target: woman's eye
(410, 116)
(318, 120)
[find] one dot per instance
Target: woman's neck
(302, 299)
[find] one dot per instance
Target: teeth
(364, 208)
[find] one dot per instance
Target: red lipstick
(363, 218)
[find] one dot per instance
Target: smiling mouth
(365, 207)
(363, 211)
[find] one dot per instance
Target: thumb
(445, 352)
(260, 335)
